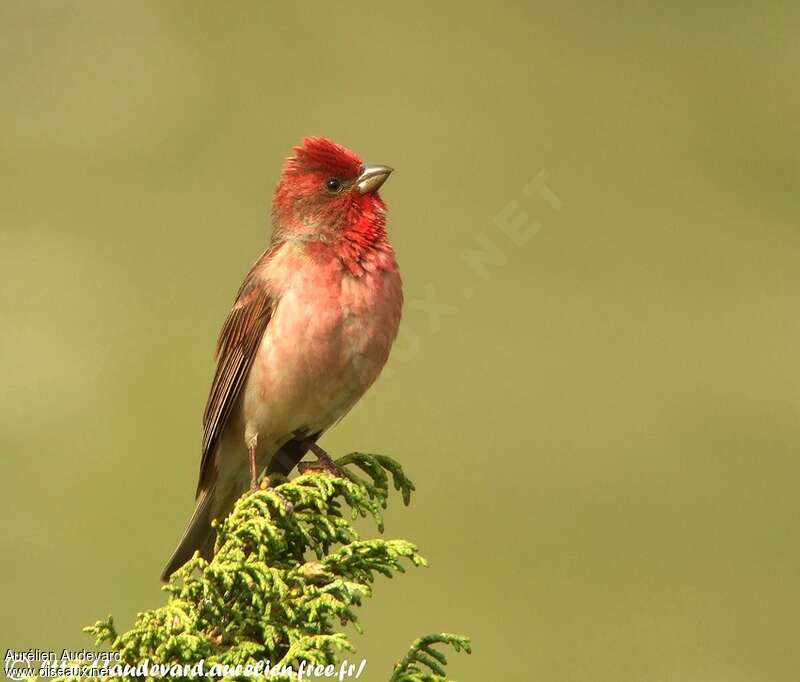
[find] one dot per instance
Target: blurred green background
(598, 403)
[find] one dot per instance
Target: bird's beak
(372, 177)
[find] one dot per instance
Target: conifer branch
(288, 568)
(422, 655)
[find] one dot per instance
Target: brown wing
(236, 349)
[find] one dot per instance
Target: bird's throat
(362, 245)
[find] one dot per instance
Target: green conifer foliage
(288, 573)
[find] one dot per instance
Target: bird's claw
(321, 467)
(266, 483)
(324, 463)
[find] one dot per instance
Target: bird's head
(326, 189)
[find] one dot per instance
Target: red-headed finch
(309, 332)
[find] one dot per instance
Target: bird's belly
(318, 356)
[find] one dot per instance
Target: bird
(310, 330)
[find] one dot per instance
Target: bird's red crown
(321, 154)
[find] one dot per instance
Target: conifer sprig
(289, 568)
(422, 655)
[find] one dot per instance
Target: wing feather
(236, 349)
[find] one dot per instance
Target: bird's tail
(218, 499)
(198, 535)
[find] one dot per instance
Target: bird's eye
(333, 185)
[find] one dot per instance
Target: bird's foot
(324, 463)
(268, 484)
(251, 451)
(321, 466)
